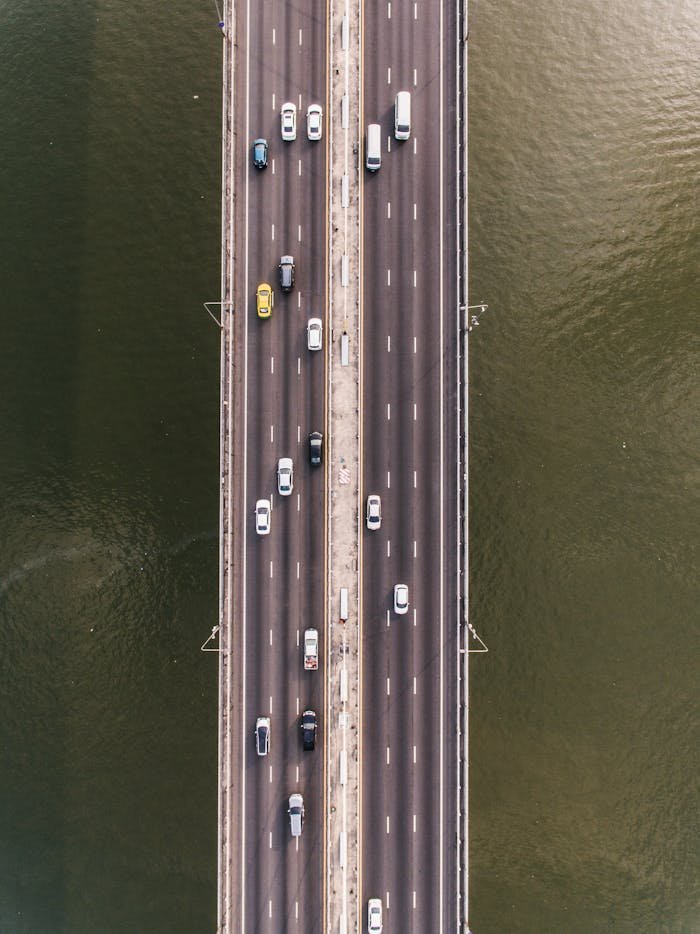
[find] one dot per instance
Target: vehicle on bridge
(262, 516)
(374, 916)
(288, 120)
(260, 153)
(265, 300)
(311, 649)
(374, 511)
(308, 730)
(401, 599)
(296, 814)
(262, 736)
(314, 122)
(285, 476)
(286, 268)
(314, 334)
(315, 448)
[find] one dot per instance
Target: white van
(373, 158)
(402, 115)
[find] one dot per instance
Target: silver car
(374, 511)
(296, 814)
(401, 599)
(314, 334)
(262, 516)
(288, 119)
(285, 476)
(262, 736)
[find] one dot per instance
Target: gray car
(296, 814)
(286, 268)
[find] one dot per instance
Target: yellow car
(265, 300)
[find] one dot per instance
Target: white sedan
(262, 516)
(314, 122)
(285, 476)
(374, 916)
(314, 334)
(400, 599)
(288, 117)
(374, 511)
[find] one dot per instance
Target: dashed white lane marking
(414, 824)
(415, 77)
(415, 617)
(415, 345)
(388, 619)
(300, 37)
(388, 209)
(388, 549)
(415, 546)
(414, 755)
(269, 908)
(415, 279)
(272, 364)
(274, 106)
(387, 823)
(388, 343)
(269, 704)
(273, 35)
(388, 411)
(415, 11)
(299, 233)
(415, 479)
(387, 901)
(270, 839)
(414, 898)
(271, 565)
(415, 212)
(296, 904)
(298, 433)
(298, 639)
(273, 166)
(300, 167)
(297, 706)
(388, 277)
(298, 502)
(272, 434)
(414, 684)
(270, 774)
(388, 11)
(298, 366)
(300, 102)
(415, 412)
(388, 479)
(388, 76)
(298, 299)
(298, 570)
(273, 231)
(388, 687)
(415, 146)
(270, 637)
(297, 779)
(388, 757)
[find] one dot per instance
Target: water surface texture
(584, 162)
(109, 242)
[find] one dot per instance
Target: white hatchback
(314, 122)
(262, 516)
(374, 916)
(288, 118)
(314, 334)
(400, 599)
(285, 476)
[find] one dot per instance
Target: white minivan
(373, 156)
(402, 115)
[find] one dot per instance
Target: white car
(311, 649)
(262, 736)
(374, 511)
(262, 516)
(400, 599)
(296, 814)
(314, 122)
(374, 916)
(285, 476)
(288, 118)
(314, 334)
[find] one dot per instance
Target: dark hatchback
(260, 153)
(308, 729)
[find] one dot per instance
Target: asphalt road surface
(408, 410)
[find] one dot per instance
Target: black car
(315, 448)
(308, 729)
(260, 153)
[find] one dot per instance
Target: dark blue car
(260, 153)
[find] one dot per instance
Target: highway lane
(280, 398)
(409, 344)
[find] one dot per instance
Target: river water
(584, 172)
